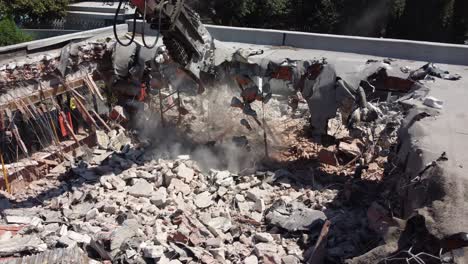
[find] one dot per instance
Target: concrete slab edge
(394, 48)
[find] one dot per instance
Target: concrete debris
(18, 244)
(61, 255)
(185, 173)
(218, 224)
(294, 217)
(126, 206)
(153, 252)
(139, 216)
(349, 149)
(433, 70)
(263, 237)
(251, 260)
(14, 219)
(102, 139)
(159, 197)
(203, 200)
(141, 188)
(433, 102)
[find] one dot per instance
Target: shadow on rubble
(349, 235)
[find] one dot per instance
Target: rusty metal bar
(5, 174)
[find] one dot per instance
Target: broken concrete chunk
(349, 149)
(203, 200)
(102, 140)
(213, 242)
(92, 214)
(76, 196)
(141, 188)
(118, 142)
(80, 238)
(263, 237)
(434, 102)
(262, 249)
(219, 224)
(260, 206)
(6, 236)
(14, 219)
(222, 178)
(294, 217)
(256, 216)
(153, 252)
(255, 194)
(178, 186)
(67, 242)
(251, 260)
(290, 260)
(78, 211)
(120, 236)
(244, 208)
(220, 175)
(129, 174)
(116, 182)
(110, 208)
(185, 173)
(18, 244)
(145, 175)
(159, 197)
(63, 230)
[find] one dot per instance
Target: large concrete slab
(394, 48)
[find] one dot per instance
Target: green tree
(10, 34)
(460, 21)
(430, 20)
(253, 13)
(33, 11)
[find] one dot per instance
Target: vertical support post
(5, 174)
(161, 106)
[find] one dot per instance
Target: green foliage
(10, 34)
(33, 11)
(432, 20)
(253, 13)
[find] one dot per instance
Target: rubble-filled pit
(211, 184)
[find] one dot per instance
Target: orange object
(5, 174)
(70, 120)
(63, 130)
(143, 94)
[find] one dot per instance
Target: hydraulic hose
(159, 26)
(117, 13)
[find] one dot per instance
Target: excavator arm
(187, 40)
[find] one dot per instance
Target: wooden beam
(37, 97)
(94, 87)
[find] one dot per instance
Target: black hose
(144, 26)
(117, 13)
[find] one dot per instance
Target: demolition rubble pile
(320, 199)
(76, 56)
(129, 208)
